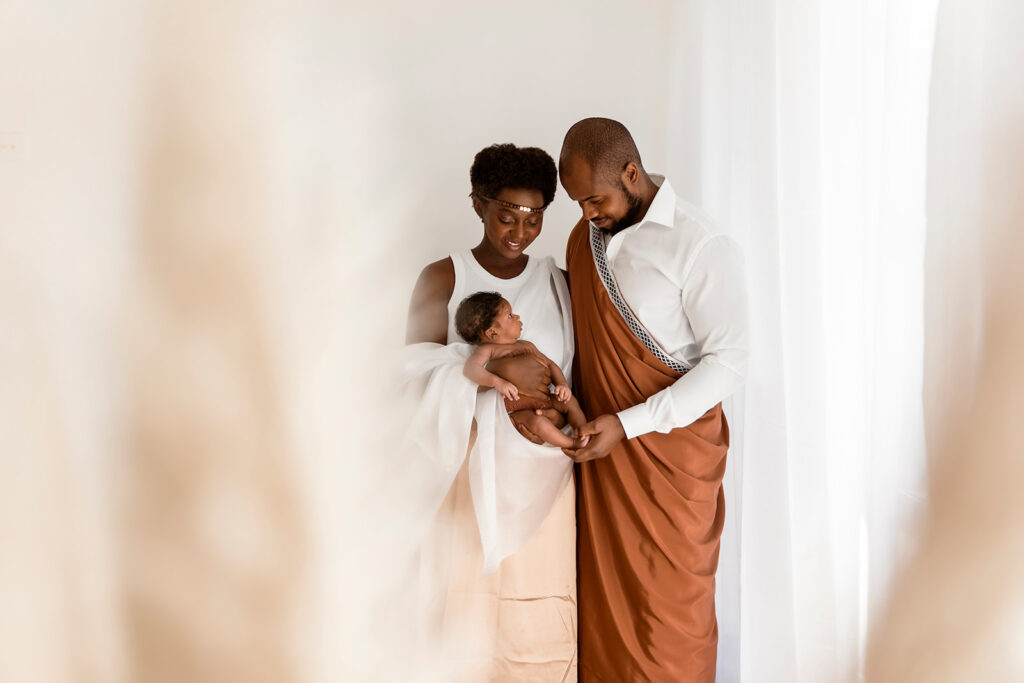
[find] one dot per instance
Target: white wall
(424, 86)
(367, 117)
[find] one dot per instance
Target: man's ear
(630, 174)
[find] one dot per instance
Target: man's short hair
(476, 314)
(604, 144)
(498, 167)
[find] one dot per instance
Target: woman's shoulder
(428, 308)
(438, 278)
(549, 264)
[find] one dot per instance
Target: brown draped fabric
(649, 515)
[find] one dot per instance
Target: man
(660, 312)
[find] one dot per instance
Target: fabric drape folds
(649, 515)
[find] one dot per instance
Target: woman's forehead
(522, 196)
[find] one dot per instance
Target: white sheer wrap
(514, 482)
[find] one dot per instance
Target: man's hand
(606, 432)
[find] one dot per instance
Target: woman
(518, 621)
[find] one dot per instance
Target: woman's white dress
(498, 568)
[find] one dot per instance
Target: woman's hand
(534, 377)
(524, 430)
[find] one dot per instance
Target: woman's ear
(478, 206)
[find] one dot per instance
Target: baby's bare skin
(530, 375)
(554, 412)
(523, 375)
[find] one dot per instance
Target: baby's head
(486, 318)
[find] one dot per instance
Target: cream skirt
(517, 624)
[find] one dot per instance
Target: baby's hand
(562, 392)
(507, 389)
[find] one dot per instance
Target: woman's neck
(496, 264)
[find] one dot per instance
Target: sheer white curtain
(964, 586)
(802, 128)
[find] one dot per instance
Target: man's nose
(590, 213)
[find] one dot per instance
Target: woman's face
(510, 231)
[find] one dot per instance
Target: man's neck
(647, 192)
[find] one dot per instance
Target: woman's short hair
(476, 314)
(506, 166)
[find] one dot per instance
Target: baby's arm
(562, 392)
(474, 370)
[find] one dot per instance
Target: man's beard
(632, 214)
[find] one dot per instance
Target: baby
(486, 320)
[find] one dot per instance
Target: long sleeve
(714, 300)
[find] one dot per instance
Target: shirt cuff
(636, 420)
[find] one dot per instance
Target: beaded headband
(509, 205)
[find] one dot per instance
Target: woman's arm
(428, 307)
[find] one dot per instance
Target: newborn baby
(486, 320)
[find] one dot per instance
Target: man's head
(600, 169)
(486, 317)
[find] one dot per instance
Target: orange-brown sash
(650, 514)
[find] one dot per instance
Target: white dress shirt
(685, 284)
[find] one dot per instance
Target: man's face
(606, 202)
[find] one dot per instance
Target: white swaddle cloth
(514, 482)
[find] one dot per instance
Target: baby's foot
(581, 441)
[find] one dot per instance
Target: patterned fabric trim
(638, 330)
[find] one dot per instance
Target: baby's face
(506, 326)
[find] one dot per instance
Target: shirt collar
(663, 207)
(662, 210)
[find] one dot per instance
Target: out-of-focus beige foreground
(173, 551)
(207, 242)
(190, 475)
(957, 613)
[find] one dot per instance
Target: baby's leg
(572, 411)
(574, 414)
(557, 418)
(544, 428)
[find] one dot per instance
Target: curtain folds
(802, 128)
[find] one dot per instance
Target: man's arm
(714, 299)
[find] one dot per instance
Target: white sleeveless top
(538, 295)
